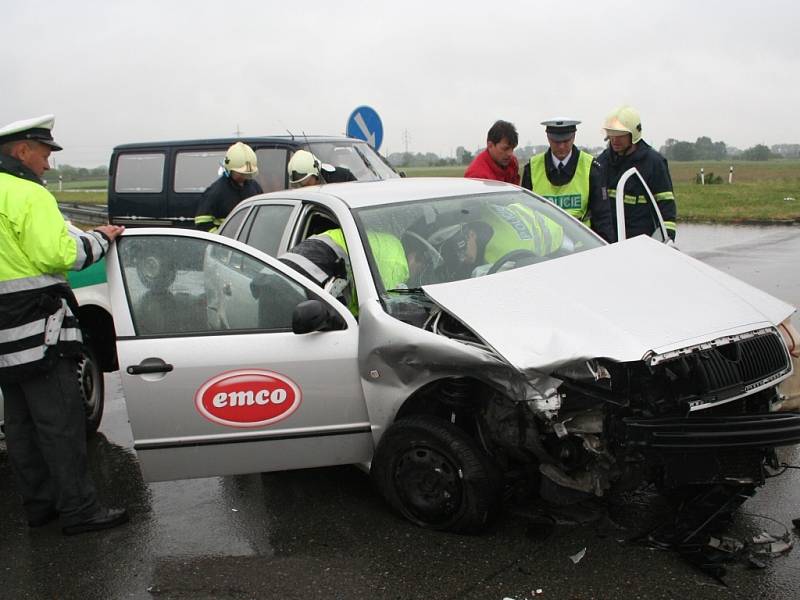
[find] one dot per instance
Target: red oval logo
(247, 398)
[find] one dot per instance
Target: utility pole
(238, 131)
(405, 139)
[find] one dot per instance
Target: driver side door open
(212, 393)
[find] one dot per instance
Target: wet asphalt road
(325, 533)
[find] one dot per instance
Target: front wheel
(435, 475)
(90, 379)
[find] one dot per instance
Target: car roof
(290, 140)
(360, 194)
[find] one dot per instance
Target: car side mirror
(315, 315)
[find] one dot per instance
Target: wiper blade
(416, 290)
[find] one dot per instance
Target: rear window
(139, 173)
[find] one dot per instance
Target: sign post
(365, 124)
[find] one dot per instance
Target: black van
(160, 183)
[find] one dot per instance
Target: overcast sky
(115, 72)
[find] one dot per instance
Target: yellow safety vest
(389, 256)
(573, 197)
(518, 227)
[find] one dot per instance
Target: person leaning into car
(324, 259)
(234, 185)
(40, 339)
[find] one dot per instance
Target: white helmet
(241, 159)
(625, 119)
(301, 166)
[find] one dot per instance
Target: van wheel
(435, 475)
(92, 386)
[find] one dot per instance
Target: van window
(271, 168)
(197, 169)
(139, 173)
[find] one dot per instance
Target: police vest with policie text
(573, 197)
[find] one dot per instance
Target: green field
(761, 191)
(80, 192)
(81, 197)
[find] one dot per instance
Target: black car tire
(92, 385)
(435, 475)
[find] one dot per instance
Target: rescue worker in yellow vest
(627, 149)
(570, 178)
(234, 185)
(40, 339)
(324, 259)
(499, 235)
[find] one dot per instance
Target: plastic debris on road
(576, 558)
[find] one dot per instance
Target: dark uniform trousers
(46, 432)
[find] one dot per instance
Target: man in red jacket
(497, 161)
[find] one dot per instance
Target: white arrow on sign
(365, 130)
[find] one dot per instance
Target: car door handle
(149, 365)
(226, 289)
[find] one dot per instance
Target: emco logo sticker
(250, 398)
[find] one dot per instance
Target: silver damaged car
(476, 342)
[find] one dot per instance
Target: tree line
(707, 149)
(70, 173)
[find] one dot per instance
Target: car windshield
(449, 239)
(359, 158)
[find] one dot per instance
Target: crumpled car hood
(619, 301)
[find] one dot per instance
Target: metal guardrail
(90, 214)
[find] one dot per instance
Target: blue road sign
(365, 124)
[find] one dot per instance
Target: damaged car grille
(710, 374)
(690, 433)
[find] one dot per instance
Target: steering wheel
(514, 255)
(435, 256)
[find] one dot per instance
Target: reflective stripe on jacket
(573, 197)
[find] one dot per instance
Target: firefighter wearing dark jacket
(571, 179)
(627, 149)
(306, 169)
(235, 184)
(40, 339)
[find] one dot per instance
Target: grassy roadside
(761, 191)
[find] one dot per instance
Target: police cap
(38, 129)
(560, 129)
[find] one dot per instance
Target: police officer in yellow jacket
(40, 338)
(570, 178)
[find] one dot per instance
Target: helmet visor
(296, 177)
